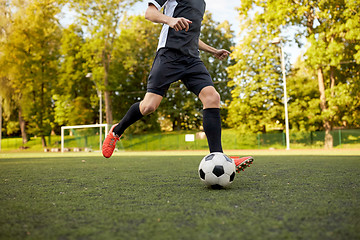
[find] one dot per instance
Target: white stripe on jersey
(170, 6)
(157, 5)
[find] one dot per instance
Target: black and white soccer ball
(217, 170)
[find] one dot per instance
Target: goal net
(86, 138)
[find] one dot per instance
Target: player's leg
(211, 117)
(198, 80)
(157, 85)
(148, 105)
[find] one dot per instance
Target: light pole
(89, 75)
(278, 41)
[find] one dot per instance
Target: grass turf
(161, 197)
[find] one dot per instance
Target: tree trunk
(22, 128)
(326, 123)
(108, 108)
(43, 141)
(176, 124)
(328, 137)
(332, 80)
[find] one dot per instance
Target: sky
(224, 10)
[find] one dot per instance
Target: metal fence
(344, 138)
(232, 140)
(341, 138)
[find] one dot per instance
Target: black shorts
(170, 66)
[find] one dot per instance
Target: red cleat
(109, 143)
(242, 162)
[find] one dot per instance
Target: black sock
(212, 128)
(132, 115)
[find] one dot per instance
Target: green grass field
(154, 196)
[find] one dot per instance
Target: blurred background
(292, 81)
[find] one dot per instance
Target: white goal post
(84, 126)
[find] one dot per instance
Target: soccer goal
(83, 137)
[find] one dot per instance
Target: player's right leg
(150, 103)
(211, 117)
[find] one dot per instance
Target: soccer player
(177, 58)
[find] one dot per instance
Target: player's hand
(179, 24)
(221, 54)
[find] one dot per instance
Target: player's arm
(218, 53)
(154, 15)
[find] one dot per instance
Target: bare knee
(147, 109)
(210, 98)
(150, 103)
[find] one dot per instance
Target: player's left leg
(148, 105)
(210, 99)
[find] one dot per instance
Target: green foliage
(257, 94)
(70, 111)
(330, 28)
(9, 105)
(44, 67)
(75, 97)
(31, 61)
(304, 108)
(12, 127)
(334, 49)
(101, 19)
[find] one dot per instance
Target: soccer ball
(217, 170)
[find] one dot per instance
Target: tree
(257, 95)
(100, 19)
(6, 91)
(305, 114)
(12, 112)
(331, 28)
(31, 61)
(75, 92)
(332, 44)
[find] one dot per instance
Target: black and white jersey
(185, 41)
